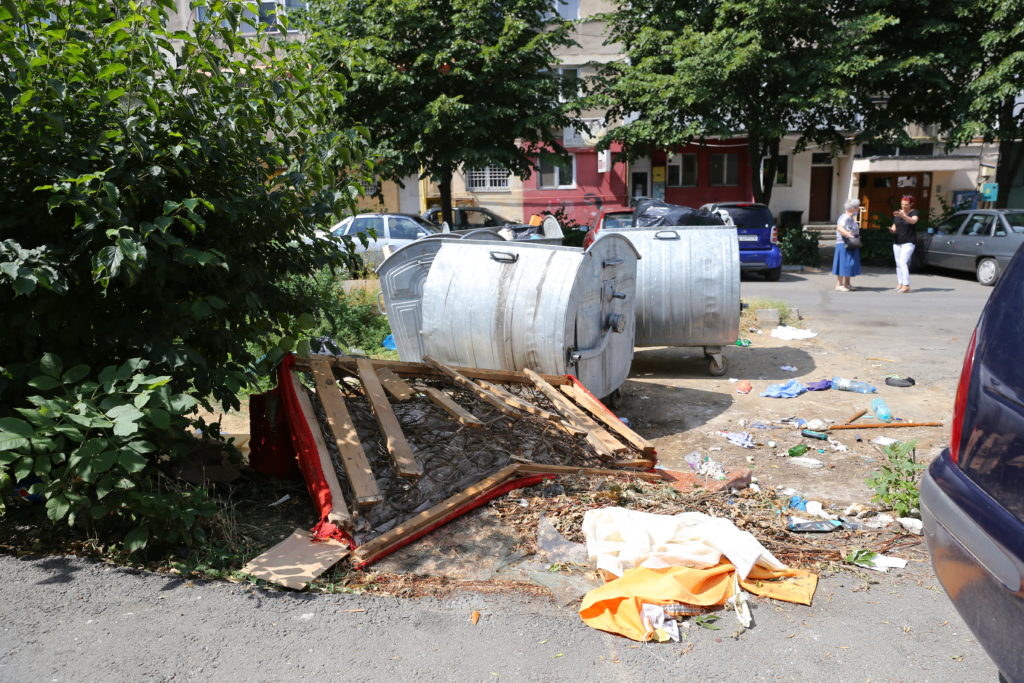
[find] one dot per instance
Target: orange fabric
(616, 606)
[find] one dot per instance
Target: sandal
(843, 289)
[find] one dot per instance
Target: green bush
(896, 483)
(89, 446)
(800, 248)
(877, 248)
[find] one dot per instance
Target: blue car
(758, 236)
(972, 496)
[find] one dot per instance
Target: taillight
(959, 405)
(775, 235)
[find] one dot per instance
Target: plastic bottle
(881, 410)
(797, 450)
(852, 385)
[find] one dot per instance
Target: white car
(393, 230)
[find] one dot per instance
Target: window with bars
(488, 179)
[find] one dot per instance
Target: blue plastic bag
(389, 343)
(790, 389)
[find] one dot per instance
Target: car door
(971, 241)
(938, 243)
(402, 230)
(370, 228)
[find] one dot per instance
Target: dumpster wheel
(716, 362)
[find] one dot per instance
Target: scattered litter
(743, 387)
(693, 460)
(790, 389)
(933, 348)
(389, 343)
(811, 434)
(798, 503)
(820, 385)
(837, 446)
(795, 421)
(658, 625)
(741, 439)
(879, 521)
(787, 368)
(886, 360)
(771, 444)
(884, 440)
(816, 425)
(876, 561)
(819, 526)
(912, 525)
(898, 381)
(809, 463)
(797, 450)
(788, 333)
(881, 410)
(474, 617)
(283, 499)
(742, 342)
(758, 425)
(815, 508)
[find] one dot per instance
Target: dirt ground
(672, 400)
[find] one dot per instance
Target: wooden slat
(406, 369)
(398, 446)
(540, 468)
(603, 442)
(856, 416)
(600, 412)
(395, 385)
(477, 390)
(431, 516)
(353, 457)
(339, 513)
(297, 560)
(882, 425)
(517, 402)
(446, 403)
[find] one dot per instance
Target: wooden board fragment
(517, 402)
(397, 445)
(478, 391)
(406, 369)
(601, 413)
(339, 513)
(353, 457)
(431, 516)
(603, 442)
(446, 403)
(297, 560)
(541, 468)
(856, 416)
(395, 385)
(882, 425)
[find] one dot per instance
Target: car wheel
(773, 274)
(988, 271)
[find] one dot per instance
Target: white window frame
(724, 180)
(492, 178)
(677, 160)
(558, 174)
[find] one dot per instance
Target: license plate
(747, 238)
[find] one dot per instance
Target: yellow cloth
(616, 606)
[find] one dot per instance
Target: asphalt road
(69, 619)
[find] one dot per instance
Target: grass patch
(787, 315)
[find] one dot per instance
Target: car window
(434, 215)
(751, 216)
(403, 228)
(1000, 230)
(475, 218)
(618, 220)
(1015, 221)
(366, 224)
(978, 225)
(950, 225)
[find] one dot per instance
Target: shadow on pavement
(61, 569)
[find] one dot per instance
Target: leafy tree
(449, 83)
(718, 68)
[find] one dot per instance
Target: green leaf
(16, 426)
(51, 365)
(136, 539)
(41, 466)
(131, 461)
(111, 70)
(75, 374)
(9, 444)
(104, 486)
(159, 418)
(125, 427)
(44, 383)
(141, 400)
(181, 403)
(57, 507)
(124, 412)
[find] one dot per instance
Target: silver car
(380, 230)
(980, 241)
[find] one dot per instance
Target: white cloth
(902, 253)
(619, 539)
(790, 333)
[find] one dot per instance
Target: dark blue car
(758, 236)
(972, 496)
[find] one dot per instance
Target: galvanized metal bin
(513, 305)
(688, 287)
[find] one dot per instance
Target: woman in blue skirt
(846, 263)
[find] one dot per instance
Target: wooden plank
(406, 369)
(297, 560)
(541, 468)
(395, 385)
(477, 390)
(398, 446)
(353, 457)
(446, 403)
(602, 442)
(431, 516)
(599, 411)
(339, 513)
(856, 416)
(517, 402)
(880, 425)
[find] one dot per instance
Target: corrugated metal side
(500, 306)
(688, 285)
(401, 281)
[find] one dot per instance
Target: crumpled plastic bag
(820, 385)
(790, 389)
(790, 333)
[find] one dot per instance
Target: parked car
(388, 229)
(972, 495)
(757, 234)
(468, 217)
(611, 218)
(980, 241)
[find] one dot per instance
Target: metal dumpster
(513, 305)
(688, 287)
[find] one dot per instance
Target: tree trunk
(762, 180)
(1011, 154)
(444, 184)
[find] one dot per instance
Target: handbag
(852, 242)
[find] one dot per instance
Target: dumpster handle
(504, 256)
(666, 235)
(616, 323)
(609, 262)
(380, 302)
